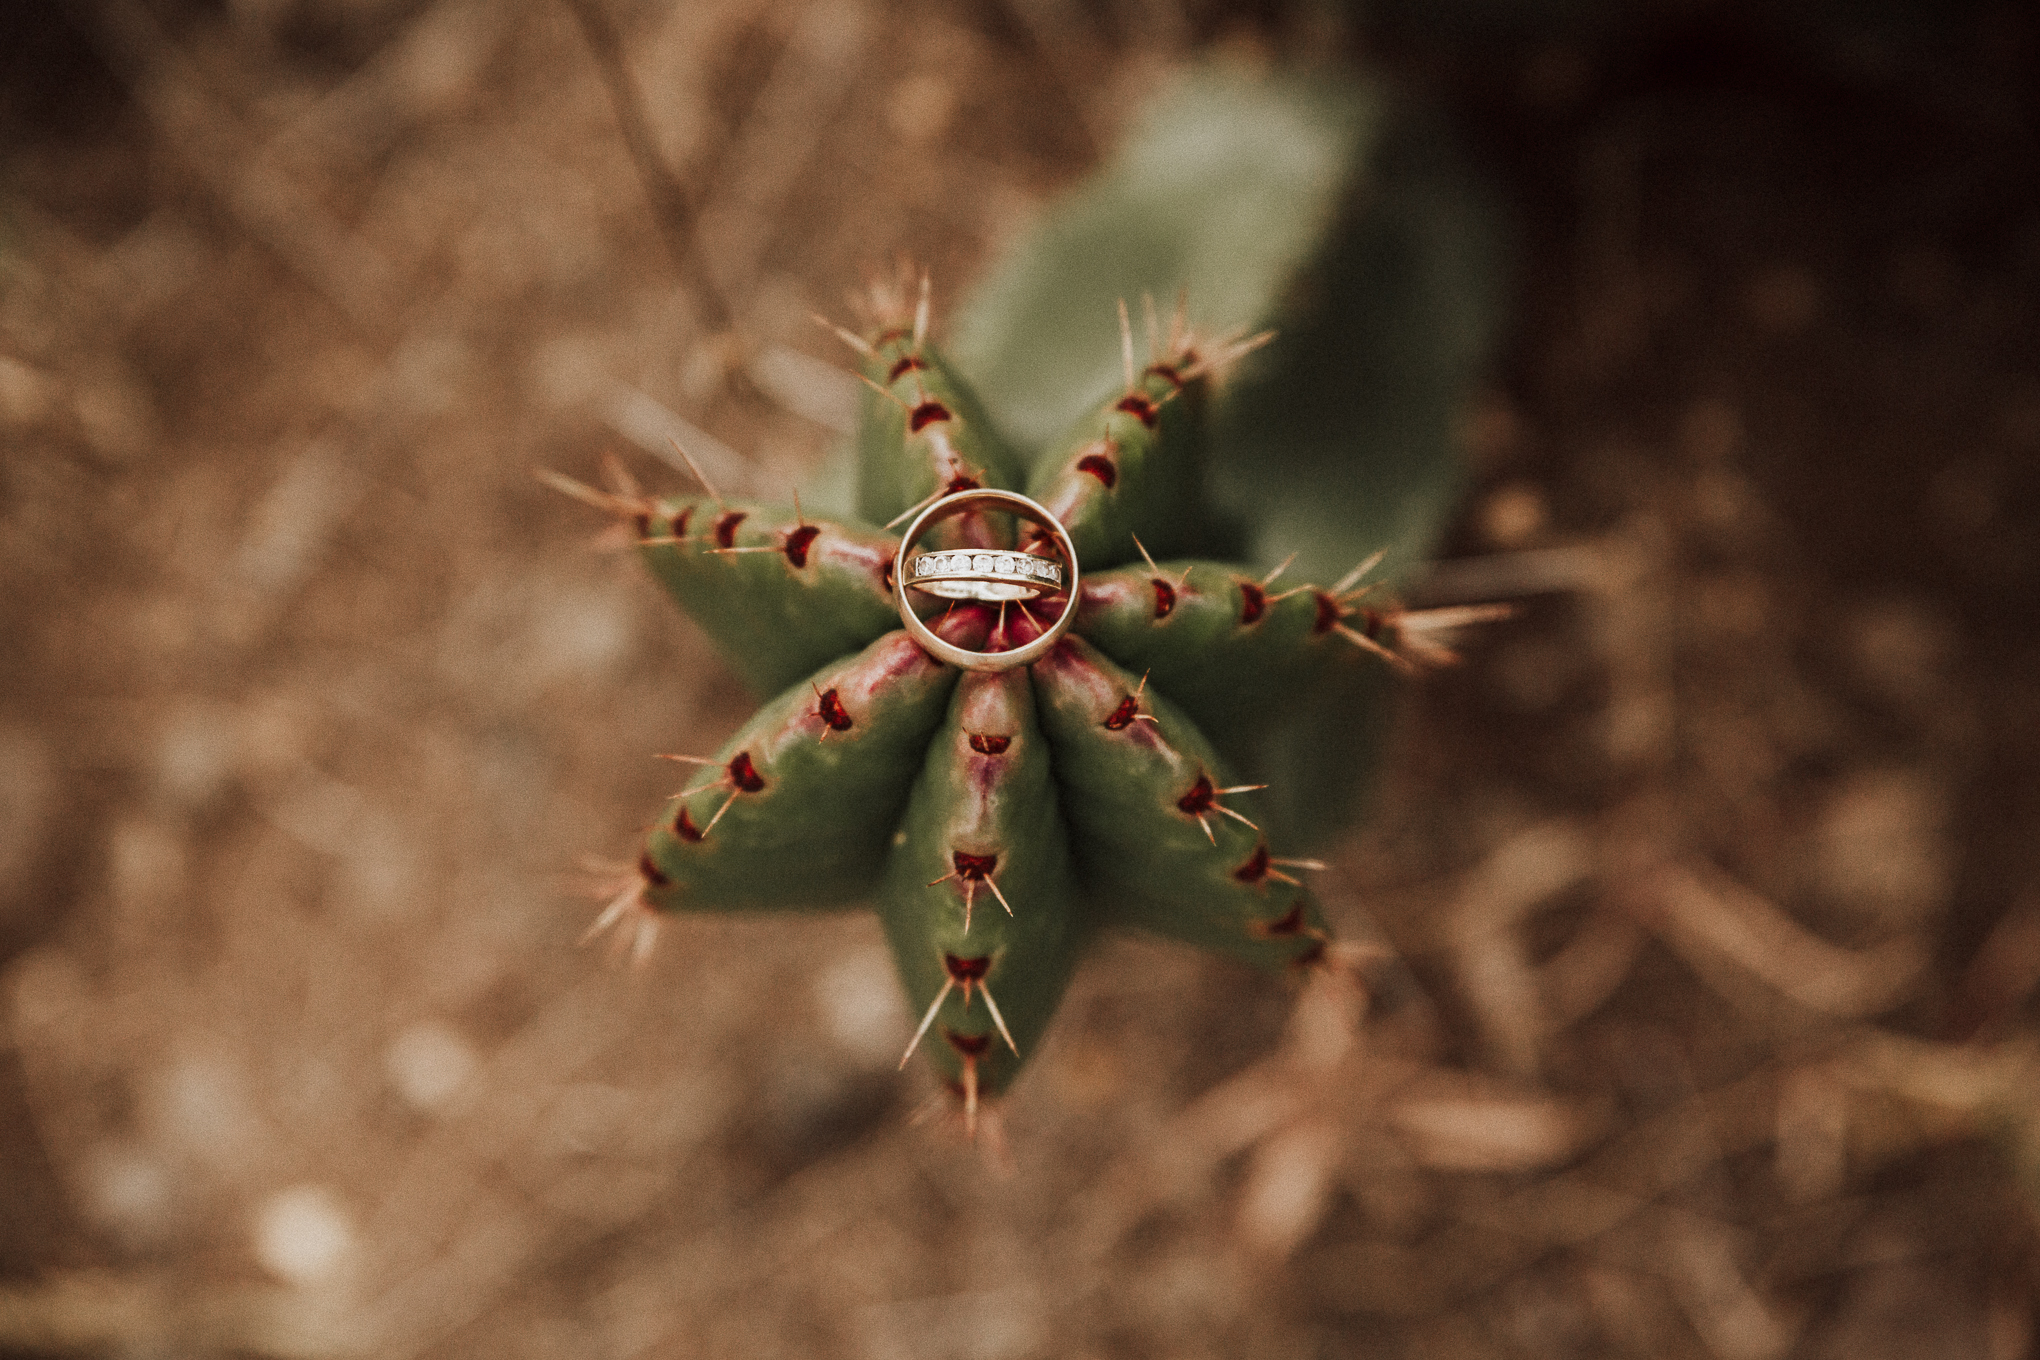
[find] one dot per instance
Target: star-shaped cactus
(998, 819)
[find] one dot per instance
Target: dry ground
(1712, 877)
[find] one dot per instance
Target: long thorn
(1220, 807)
(1154, 329)
(719, 814)
(1453, 616)
(1368, 644)
(1205, 822)
(926, 1021)
(619, 476)
(1145, 555)
(1001, 896)
(848, 337)
(580, 491)
(1241, 788)
(970, 1096)
(647, 936)
(685, 760)
(885, 392)
(921, 314)
(918, 506)
(1224, 353)
(695, 468)
(1269, 579)
(1126, 344)
(999, 1019)
(1351, 578)
(618, 907)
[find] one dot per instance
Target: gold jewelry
(1004, 576)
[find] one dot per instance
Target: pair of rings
(990, 576)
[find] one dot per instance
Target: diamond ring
(978, 575)
(1000, 576)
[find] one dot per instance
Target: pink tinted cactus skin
(998, 820)
(1154, 817)
(981, 888)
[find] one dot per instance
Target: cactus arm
(1155, 840)
(796, 809)
(779, 595)
(921, 430)
(983, 833)
(1132, 468)
(1232, 649)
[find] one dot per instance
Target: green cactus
(999, 819)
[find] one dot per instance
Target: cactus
(1000, 819)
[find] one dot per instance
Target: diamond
(982, 562)
(1004, 566)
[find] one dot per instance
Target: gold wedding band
(992, 576)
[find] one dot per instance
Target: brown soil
(1711, 878)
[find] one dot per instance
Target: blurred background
(1713, 878)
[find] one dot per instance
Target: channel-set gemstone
(1002, 564)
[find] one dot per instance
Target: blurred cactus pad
(1213, 716)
